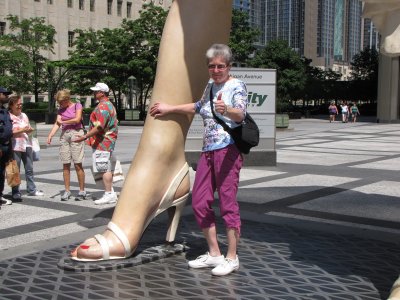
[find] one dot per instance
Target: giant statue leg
(385, 14)
(395, 292)
(159, 163)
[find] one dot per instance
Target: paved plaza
(322, 224)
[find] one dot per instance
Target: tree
(365, 74)
(98, 56)
(144, 41)
(320, 84)
(365, 65)
(116, 54)
(289, 66)
(242, 36)
(24, 66)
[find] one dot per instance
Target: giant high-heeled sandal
(174, 207)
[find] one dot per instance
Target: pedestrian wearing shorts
(102, 136)
(69, 118)
(354, 112)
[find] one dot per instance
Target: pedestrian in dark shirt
(5, 141)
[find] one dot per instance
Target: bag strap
(83, 125)
(219, 121)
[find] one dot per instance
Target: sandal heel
(174, 213)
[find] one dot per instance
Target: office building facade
(330, 32)
(369, 35)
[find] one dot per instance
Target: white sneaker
(82, 195)
(227, 267)
(36, 193)
(206, 261)
(108, 198)
(5, 201)
(65, 196)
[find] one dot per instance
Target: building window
(109, 7)
(71, 38)
(81, 4)
(128, 9)
(24, 34)
(92, 5)
(119, 8)
(2, 28)
(49, 1)
(37, 0)
(69, 3)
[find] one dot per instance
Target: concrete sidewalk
(322, 224)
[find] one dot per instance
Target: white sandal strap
(104, 245)
(121, 236)
(175, 183)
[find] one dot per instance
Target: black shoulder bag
(246, 135)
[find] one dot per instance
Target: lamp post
(132, 89)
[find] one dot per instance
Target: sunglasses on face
(218, 67)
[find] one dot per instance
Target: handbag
(35, 149)
(246, 135)
(118, 174)
(12, 173)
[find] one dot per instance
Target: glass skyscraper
(284, 19)
(370, 36)
(326, 31)
(339, 31)
(354, 29)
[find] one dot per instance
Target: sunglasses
(218, 67)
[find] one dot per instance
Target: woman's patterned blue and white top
(234, 94)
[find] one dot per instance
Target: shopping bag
(35, 149)
(12, 173)
(116, 168)
(118, 175)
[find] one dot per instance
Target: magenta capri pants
(217, 170)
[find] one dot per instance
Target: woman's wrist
(225, 110)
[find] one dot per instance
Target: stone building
(68, 15)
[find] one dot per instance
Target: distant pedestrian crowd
(17, 144)
(349, 112)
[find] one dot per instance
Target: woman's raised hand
(159, 109)
(28, 129)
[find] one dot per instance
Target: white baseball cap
(100, 87)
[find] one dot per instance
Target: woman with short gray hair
(220, 161)
(220, 50)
